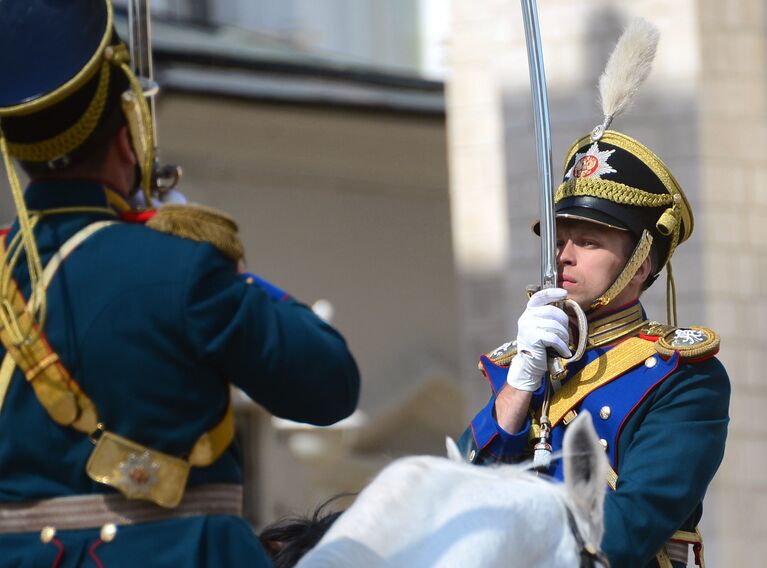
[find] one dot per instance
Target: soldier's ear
(643, 272)
(124, 147)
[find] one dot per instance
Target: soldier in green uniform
(657, 394)
(122, 331)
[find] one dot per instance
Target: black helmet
(614, 180)
(59, 96)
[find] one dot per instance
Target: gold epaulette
(501, 355)
(692, 342)
(200, 223)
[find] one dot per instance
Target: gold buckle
(138, 472)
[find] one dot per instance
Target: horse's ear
(453, 453)
(586, 472)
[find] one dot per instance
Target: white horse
(434, 512)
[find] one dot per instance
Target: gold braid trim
(611, 191)
(637, 258)
(624, 356)
(67, 141)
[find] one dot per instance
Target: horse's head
(585, 476)
(432, 512)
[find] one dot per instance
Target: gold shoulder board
(653, 329)
(502, 355)
(200, 223)
(690, 342)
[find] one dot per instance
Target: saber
(543, 143)
(166, 176)
(542, 450)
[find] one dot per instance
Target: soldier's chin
(583, 302)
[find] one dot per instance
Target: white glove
(540, 326)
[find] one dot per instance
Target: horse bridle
(591, 556)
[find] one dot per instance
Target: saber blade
(140, 47)
(543, 143)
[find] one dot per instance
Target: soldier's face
(589, 258)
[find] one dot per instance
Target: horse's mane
(289, 538)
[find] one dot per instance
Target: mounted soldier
(657, 394)
(123, 330)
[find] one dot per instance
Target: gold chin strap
(669, 224)
(641, 251)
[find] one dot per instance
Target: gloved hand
(539, 327)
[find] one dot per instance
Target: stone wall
(733, 228)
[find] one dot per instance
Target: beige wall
(347, 206)
(703, 111)
(336, 204)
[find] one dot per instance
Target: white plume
(628, 66)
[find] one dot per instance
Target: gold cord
(37, 301)
(611, 191)
(70, 210)
(670, 296)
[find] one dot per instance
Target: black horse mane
(288, 539)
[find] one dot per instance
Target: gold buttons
(472, 455)
(604, 412)
(108, 532)
(650, 362)
(603, 443)
(47, 534)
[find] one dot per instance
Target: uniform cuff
(492, 439)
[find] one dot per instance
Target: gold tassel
(200, 223)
